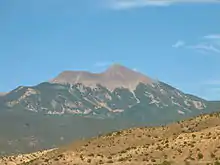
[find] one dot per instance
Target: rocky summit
(80, 104)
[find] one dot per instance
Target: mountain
(80, 104)
(116, 76)
(117, 92)
(193, 141)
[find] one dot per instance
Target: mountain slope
(152, 100)
(24, 132)
(194, 141)
(82, 100)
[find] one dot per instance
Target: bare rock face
(115, 76)
(11, 163)
(23, 158)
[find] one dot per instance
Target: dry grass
(195, 141)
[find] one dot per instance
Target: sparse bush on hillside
(200, 155)
(166, 163)
(109, 157)
(56, 159)
(144, 159)
(110, 161)
(187, 163)
(91, 155)
(179, 150)
(121, 159)
(89, 160)
(167, 145)
(212, 155)
(165, 156)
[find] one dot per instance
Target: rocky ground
(21, 159)
(195, 141)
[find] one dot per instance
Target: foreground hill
(24, 132)
(195, 141)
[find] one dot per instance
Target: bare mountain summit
(115, 76)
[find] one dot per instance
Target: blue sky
(175, 41)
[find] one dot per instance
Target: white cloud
(178, 44)
(208, 44)
(206, 48)
(212, 36)
(214, 39)
(126, 4)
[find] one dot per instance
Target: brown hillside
(195, 141)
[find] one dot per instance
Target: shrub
(200, 155)
(217, 163)
(110, 161)
(212, 155)
(165, 163)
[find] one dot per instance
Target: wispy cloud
(178, 44)
(127, 4)
(212, 36)
(208, 44)
(205, 47)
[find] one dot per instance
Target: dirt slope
(195, 141)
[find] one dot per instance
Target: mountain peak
(115, 76)
(117, 67)
(123, 73)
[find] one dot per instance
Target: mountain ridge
(115, 76)
(109, 93)
(78, 107)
